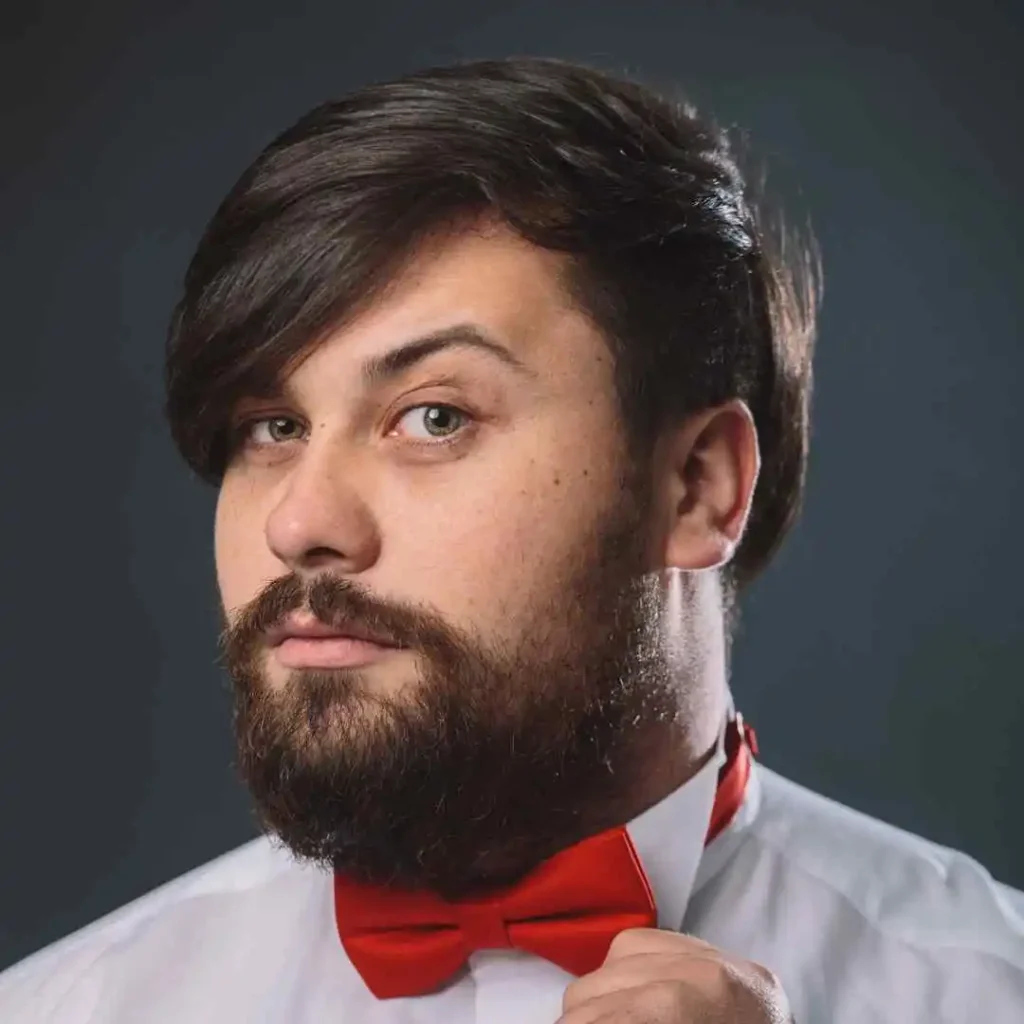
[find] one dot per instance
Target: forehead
(484, 275)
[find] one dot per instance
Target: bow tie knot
(483, 924)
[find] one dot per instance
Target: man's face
(478, 515)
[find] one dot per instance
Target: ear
(706, 473)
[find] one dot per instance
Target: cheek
(498, 552)
(241, 557)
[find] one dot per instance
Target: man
(504, 391)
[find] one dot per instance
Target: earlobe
(713, 464)
(694, 551)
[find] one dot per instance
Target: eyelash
(238, 433)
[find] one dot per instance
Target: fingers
(658, 977)
(656, 940)
(642, 969)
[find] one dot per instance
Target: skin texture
(490, 540)
(658, 977)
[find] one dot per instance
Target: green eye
(433, 421)
(273, 424)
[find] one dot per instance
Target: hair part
(699, 300)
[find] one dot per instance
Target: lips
(306, 628)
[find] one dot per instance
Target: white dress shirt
(862, 922)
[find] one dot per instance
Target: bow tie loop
(567, 910)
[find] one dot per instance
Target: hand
(660, 977)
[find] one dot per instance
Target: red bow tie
(567, 910)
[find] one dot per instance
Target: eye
(278, 430)
(431, 422)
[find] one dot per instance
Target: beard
(496, 755)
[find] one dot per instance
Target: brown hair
(668, 256)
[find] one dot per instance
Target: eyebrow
(380, 369)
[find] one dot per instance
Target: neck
(696, 652)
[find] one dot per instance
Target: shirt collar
(670, 837)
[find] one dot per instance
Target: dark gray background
(881, 659)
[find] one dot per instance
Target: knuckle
(767, 977)
(752, 985)
(734, 978)
(762, 980)
(623, 943)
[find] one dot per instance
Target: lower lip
(327, 652)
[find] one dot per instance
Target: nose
(322, 519)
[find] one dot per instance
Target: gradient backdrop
(882, 659)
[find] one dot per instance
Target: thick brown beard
(493, 760)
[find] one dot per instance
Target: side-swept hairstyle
(668, 256)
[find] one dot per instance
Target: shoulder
(37, 986)
(905, 884)
(927, 921)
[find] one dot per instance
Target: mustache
(336, 602)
